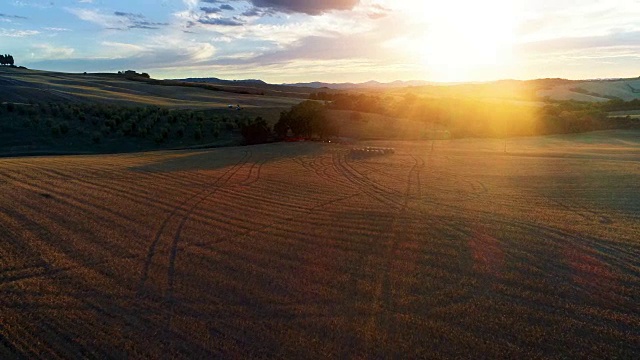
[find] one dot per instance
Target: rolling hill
(22, 85)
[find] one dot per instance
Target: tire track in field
(321, 170)
(386, 192)
(382, 323)
(56, 219)
(550, 251)
(253, 175)
(76, 174)
(9, 276)
(300, 211)
(398, 235)
(468, 189)
(188, 210)
(344, 169)
(82, 169)
(220, 182)
(153, 245)
(582, 211)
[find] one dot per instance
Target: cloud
(6, 16)
(119, 50)
(56, 29)
(306, 6)
(378, 12)
(211, 10)
(93, 16)
(585, 43)
(322, 48)
(221, 21)
(310, 7)
(139, 21)
(50, 52)
(255, 11)
(128, 15)
(17, 33)
(159, 52)
(117, 21)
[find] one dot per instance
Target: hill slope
(21, 85)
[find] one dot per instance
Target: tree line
(106, 123)
(308, 120)
(103, 123)
(475, 117)
(6, 59)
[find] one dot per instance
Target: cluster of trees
(475, 117)
(134, 74)
(100, 122)
(354, 102)
(6, 59)
(307, 119)
(621, 105)
(256, 131)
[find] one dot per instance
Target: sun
(460, 38)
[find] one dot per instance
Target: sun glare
(462, 38)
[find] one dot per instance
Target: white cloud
(50, 52)
(56, 29)
(122, 50)
(201, 52)
(17, 33)
(94, 16)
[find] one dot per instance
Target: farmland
(446, 249)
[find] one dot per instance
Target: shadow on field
(193, 160)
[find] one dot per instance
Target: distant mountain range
(315, 84)
(213, 80)
(366, 85)
(552, 88)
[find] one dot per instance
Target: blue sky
(330, 40)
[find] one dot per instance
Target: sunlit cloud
(457, 40)
(46, 51)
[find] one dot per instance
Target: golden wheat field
(302, 250)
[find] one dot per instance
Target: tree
(6, 59)
(256, 131)
(305, 119)
(281, 128)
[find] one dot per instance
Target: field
(595, 90)
(448, 249)
(43, 102)
(18, 85)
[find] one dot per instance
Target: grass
(599, 91)
(23, 85)
(300, 251)
(30, 131)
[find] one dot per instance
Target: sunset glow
(461, 38)
(341, 40)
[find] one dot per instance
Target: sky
(286, 41)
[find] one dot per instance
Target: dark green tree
(6, 59)
(256, 131)
(306, 119)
